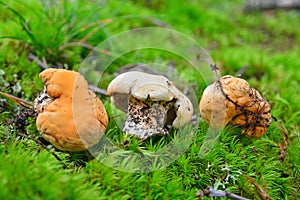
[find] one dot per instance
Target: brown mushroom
(152, 102)
(70, 116)
(231, 100)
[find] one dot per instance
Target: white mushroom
(152, 102)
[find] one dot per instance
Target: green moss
(264, 42)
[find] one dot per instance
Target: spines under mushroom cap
(144, 86)
(184, 111)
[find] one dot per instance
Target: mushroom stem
(147, 118)
(152, 102)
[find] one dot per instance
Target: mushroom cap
(75, 118)
(144, 86)
(232, 101)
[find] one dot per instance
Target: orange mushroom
(70, 116)
(231, 100)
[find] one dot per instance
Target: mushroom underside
(41, 101)
(147, 118)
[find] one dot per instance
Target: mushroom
(70, 116)
(152, 102)
(231, 100)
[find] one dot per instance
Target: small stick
(98, 90)
(283, 146)
(44, 146)
(8, 136)
(18, 101)
(44, 65)
(33, 57)
(215, 68)
(211, 192)
(241, 71)
(261, 192)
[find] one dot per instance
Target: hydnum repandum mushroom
(70, 116)
(231, 100)
(152, 102)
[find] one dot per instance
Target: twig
(261, 192)
(283, 146)
(215, 68)
(254, 5)
(96, 23)
(257, 116)
(29, 106)
(85, 45)
(18, 101)
(34, 58)
(44, 146)
(8, 136)
(211, 192)
(96, 29)
(241, 71)
(98, 90)
(44, 65)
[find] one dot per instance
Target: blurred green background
(63, 32)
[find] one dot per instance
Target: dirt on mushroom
(152, 102)
(231, 100)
